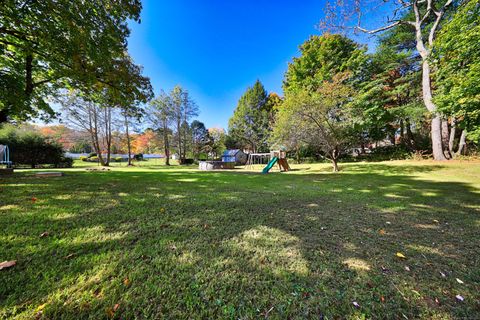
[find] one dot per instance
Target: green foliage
(389, 95)
(249, 126)
(118, 159)
(31, 148)
(457, 50)
(50, 45)
(318, 118)
(83, 158)
(321, 58)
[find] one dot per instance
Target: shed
(234, 155)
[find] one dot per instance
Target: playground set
(231, 158)
(5, 160)
(273, 157)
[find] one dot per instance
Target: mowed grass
(153, 242)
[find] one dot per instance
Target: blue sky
(216, 49)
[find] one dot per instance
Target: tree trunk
(166, 142)
(436, 125)
(451, 140)
(334, 159)
(129, 147)
(462, 143)
(445, 138)
(28, 75)
(410, 139)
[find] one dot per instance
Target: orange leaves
(382, 232)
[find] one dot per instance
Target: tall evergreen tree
(249, 125)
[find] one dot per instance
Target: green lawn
(155, 242)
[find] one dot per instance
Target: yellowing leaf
(401, 255)
(382, 232)
(40, 307)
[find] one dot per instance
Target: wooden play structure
(273, 157)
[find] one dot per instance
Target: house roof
(231, 152)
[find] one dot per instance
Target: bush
(30, 148)
(92, 154)
(138, 156)
(83, 158)
(93, 159)
(118, 159)
(397, 152)
(187, 161)
(65, 162)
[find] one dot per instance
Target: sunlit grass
(175, 242)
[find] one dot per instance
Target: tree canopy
(48, 45)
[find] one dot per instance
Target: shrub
(92, 154)
(138, 156)
(30, 147)
(93, 159)
(397, 152)
(118, 159)
(65, 162)
(83, 158)
(186, 161)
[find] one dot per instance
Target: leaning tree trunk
(436, 125)
(462, 143)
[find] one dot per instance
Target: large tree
(421, 17)
(321, 58)
(250, 124)
(388, 98)
(160, 114)
(319, 118)
(457, 53)
(184, 109)
(46, 45)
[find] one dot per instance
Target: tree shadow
(230, 245)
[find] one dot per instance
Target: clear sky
(217, 48)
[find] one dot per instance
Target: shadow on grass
(181, 243)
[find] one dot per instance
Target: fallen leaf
(40, 307)
(382, 232)
(382, 299)
(126, 282)
(459, 298)
(34, 199)
(115, 307)
(459, 281)
(7, 264)
(436, 301)
(388, 222)
(110, 313)
(44, 234)
(407, 268)
(401, 255)
(435, 220)
(355, 304)
(71, 255)
(443, 274)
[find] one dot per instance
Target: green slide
(270, 165)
